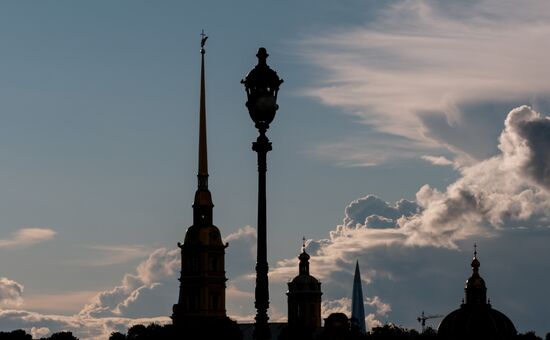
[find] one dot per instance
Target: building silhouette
(200, 310)
(304, 297)
(476, 319)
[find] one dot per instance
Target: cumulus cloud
(343, 305)
(382, 308)
(39, 332)
(425, 71)
(155, 281)
(10, 292)
(493, 196)
(375, 212)
(525, 143)
(27, 237)
(144, 296)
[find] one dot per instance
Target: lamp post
(262, 85)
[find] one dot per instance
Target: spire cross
(303, 243)
(475, 250)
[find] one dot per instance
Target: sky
(407, 131)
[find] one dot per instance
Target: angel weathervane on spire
(203, 41)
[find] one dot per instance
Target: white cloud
(27, 237)
(382, 308)
(419, 70)
(10, 292)
(145, 296)
(437, 160)
(39, 332)
(369, 151)
(155, 279)
(343, 305)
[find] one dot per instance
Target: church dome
(476, 322)
(476, 319)
(305, 282)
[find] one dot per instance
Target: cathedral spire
(357, 302)
(202, 207)
(203, 152)
(202, 281)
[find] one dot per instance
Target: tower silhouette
(304, 297)
(357, 302)
(202, 280)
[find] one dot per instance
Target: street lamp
(262, 85)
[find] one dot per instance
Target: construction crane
(422, 319)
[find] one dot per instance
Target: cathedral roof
(477, 322)
(476, 319)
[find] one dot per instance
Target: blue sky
(405, 101)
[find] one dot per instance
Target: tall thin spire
(357, 302)
(202, 207)
(203, 152)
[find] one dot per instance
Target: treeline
(155, 331)
(22, 335)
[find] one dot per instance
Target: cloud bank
(142, 297)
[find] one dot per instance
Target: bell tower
(304, 297)
(202, 279)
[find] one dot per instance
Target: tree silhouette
(117, 336)
(61, 336)
(18, 334)
(528, 336)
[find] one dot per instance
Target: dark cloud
(526, 141)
